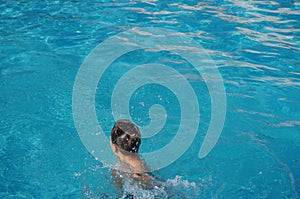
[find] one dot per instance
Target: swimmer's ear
(113, 147)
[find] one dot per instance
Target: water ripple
(255, 45)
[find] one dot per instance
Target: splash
(94, 187)
(171, 188)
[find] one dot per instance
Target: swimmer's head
(126, 136)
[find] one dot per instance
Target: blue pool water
(254, 44)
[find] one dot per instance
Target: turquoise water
(255, 45)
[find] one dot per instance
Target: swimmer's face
(125, 136)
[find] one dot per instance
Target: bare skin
(133, 163)
(131, 160)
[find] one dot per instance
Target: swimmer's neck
(128, 157)
(133, 161)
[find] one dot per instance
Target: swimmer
(125, 140)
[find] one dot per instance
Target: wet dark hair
(126, 136)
